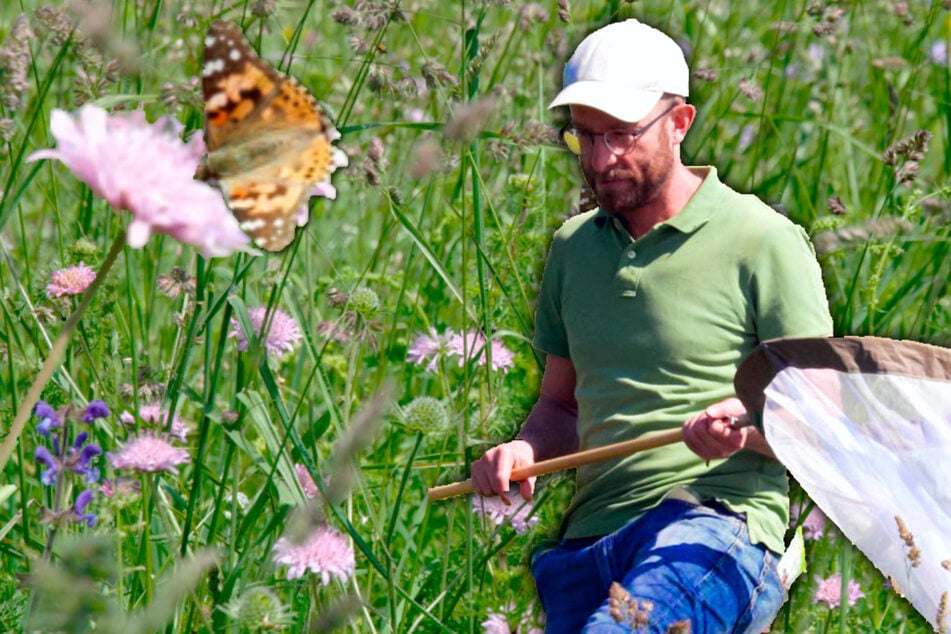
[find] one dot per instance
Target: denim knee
(697, 567)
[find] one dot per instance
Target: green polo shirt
(656, 328)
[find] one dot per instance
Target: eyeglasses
(618, 142)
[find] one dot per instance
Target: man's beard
(644, 184)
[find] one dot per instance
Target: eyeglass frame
(571, 136)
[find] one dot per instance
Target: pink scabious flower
(466, 345)
(306, 482)
(814, 526)
(71, 280)
(498, 623)
(428, 348)
(149, 451)
(830, 591)
(516, 514)
(939, 53)
(326, 553)
(155, 415)
(471, 345)
(146, 169)
(502, 357)
(282, 335)
(119, 486)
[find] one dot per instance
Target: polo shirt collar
(698, 210)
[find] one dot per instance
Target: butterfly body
(268, 141)
(262, 151)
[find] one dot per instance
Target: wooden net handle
(569, 461)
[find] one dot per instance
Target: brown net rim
(867, 355)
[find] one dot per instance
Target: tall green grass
(455, 185)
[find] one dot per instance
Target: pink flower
(306, 482)
(428, 348)
(497, 623)
(146, 169)
(467, 345)
(830, 591)
(939, 53)
(119, 486)
(282, 334)
(326, 553)
(72, 280)
(517, 513)
(157, 417)
(502, 357)
(471, 345)
(814, 526)
(149, 452)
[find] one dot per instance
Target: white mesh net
(874, 452)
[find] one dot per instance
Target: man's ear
(682, 118)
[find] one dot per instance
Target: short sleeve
(788, 296)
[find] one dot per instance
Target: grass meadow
(358, 399)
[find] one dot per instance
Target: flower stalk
(56, 355)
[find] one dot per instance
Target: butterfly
(587, 199)
(269, 144)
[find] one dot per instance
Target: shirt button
(631, 255)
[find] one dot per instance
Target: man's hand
(491, 474)
(710, 436)
(550, 430)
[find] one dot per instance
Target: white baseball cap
(623, 69)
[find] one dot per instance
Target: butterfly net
(864, 424)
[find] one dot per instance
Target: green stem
(55, 358)
(120, 558)
(147, 484)
(845, 569)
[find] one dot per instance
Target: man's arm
(550, 430)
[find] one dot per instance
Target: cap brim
(626, 104)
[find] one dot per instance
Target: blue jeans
(679, 561)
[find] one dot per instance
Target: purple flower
(95, 409)
(516, 514)
(44, 457)
(48, 418)
(325, 552)
(149, 452)
(282, 335)
(830, 591)
(146, 169)
(79, 460)
(72, 280)
(82, 501)
(155, 415)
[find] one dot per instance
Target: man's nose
(600, 157)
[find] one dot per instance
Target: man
(647, 306)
